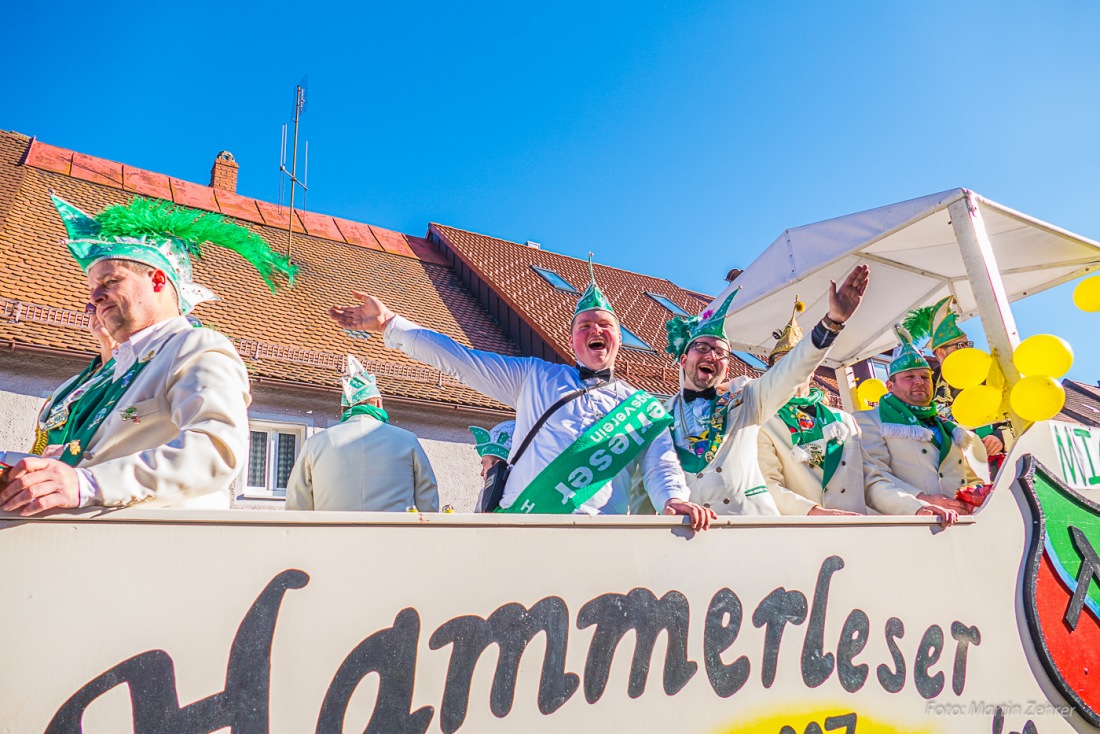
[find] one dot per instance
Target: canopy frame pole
(844, 385)
(989, 291)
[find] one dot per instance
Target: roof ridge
(143, 182)
(570, 257)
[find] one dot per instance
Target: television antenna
(292, 174)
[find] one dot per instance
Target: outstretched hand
(370, 314)
(844, 301)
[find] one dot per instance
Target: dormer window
(668, 304)
(633, 341)
(554, 279)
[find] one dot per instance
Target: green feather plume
(156, 218)
(918, 322)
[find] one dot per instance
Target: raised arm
(495, 375)
(767, 394)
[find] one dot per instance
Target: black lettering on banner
(832, 723)
(964, 637)
(392, 654)
(853, 638)
(928, 652)
(893, 680)
(776, 610)
(242, 706)
(1090, 569)
(718, 636)
(817, 665)
(848, 721)
(641, 611)
(511, 628)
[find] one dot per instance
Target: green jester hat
(593, 298)
(937, 322)
(164, 236)
(906, 356)
(497, 441)
(682, 331)
(358, 385)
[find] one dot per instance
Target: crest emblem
(1062, 586)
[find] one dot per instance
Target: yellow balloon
(976, 406)
(1037, 398)
(1086, 296)
(1043, 355)
(965, 368)
(871, 390)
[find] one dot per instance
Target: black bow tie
(588, 374)
(709, 394)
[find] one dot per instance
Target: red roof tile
(507, 268)
(357, 234)
(239, 207)
(34, 269)
(50, 158)
(193, 195)
(392, 241)
(146, 183)
(320, 225)
(279, 217)
(97, 170)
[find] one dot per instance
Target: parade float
(189, 621)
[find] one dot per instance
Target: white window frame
(644, 346)
(272, 429)
(667, 304)
(882, 364)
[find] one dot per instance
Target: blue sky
(677, 139)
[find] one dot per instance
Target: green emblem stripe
(756, 490)
(598, 454)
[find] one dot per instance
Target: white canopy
(915, 260)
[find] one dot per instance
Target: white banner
(188, 622)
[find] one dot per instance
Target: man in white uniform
(914, 459)
(809, 451)
(716, 431)
(165, 420)
(363, 463)
(581, 459)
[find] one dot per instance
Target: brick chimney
(223, 176)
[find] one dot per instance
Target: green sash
(88, 412)
(893, 410)
(365, 409)
(830, 460)
(590, 462)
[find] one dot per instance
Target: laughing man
(581, 460)
(715, 431)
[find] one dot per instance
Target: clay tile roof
(1082, 403)
(285, 337)
(507, 267)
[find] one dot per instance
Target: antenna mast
(292, 174)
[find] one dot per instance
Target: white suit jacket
(186, 438)
(903, 463)
(795, 485)
(531, 386)
(733, 484)
(362, 464)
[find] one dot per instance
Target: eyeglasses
(705, 349)
(960, 345)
